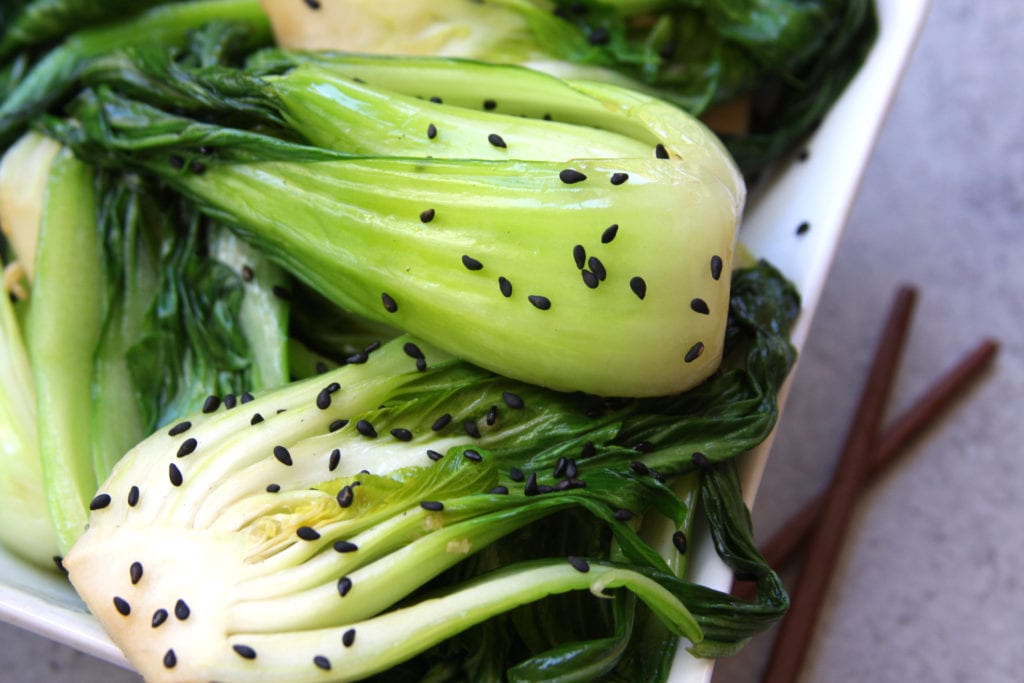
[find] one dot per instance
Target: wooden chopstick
(829, 532)
(891, 445)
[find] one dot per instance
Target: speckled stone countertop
(929, 585)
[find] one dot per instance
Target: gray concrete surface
(929, 584)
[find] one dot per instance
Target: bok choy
(764, 73)
(586, 252)
(288, 538)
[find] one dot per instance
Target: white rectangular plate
(819, 190)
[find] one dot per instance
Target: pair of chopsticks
(867, 451)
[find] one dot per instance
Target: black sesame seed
(348, 637)
(587, 450)
(431, 131)
(122, 606)
(609, 233)
(427, 215)
(639, 468)
(492, 416)
(579, 564)
(366, 429)
(412, 350)
(699, 306)
(803, 228)
(179, 428)
(570, 176)
(473, 456)
(244, 651)
(401, 434)
(504, 286)
(256, 419)
(246, 397)
(531, 488)
(619, 178)
(516, 474)
(313, 4)
(211, 404)
(679, 541)
(560, 466)
(175, 475)
(390, 305)
(623, 515)
(281, 293)
(170, 659)
(803, 155)
(322, 662)
(471, 428)
(490, 104)
(345, 496)
(570, 469)
(432, 505)
(133, 496)
(247, 273)
(334, 386)
(471, 263)
(540, 302)
(579, 255)
(660, 151)
(357, 358)
(307, 533)
(496, 140)
(159, 617)
(639, 286)
(421, 364)
(716, 267)
(229, 401)
(441, 422)
(187, 447)
(323, 399)
(599, 36)
(282, 455)
(273, 488)
(512, 400)
(336, 425)
(589, 279)
(700, 460)
(694, 352)
(434, 455)
(345, 546)
(597, 267)
(500, 490)
(436, 100)
(335, 459)
(135, 572)
(99, 502)
(643, 447)
(181, 610)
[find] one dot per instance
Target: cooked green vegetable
(129, 323)
(167, 26)
(62, 331)
(591, 252)
(24, 518)
(290, 538)
(786, 60)
(442, 506)
(28, 24)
